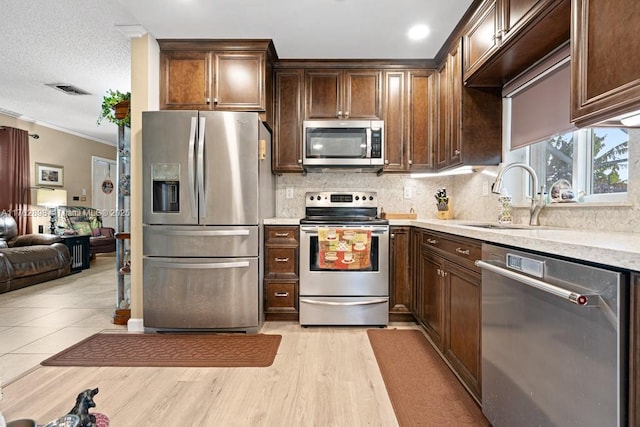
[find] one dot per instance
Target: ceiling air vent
(68, 89)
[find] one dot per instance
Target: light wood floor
(320, 377)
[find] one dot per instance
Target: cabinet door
(420, 117)
(239, 81)
(185, 80)
(432, 300)
(362, 93)
(634, 351)
(481, 38)
(454, 147)
(462, 308)
(399, 275)
(323, 91)
(441, 147)
(605, 66)
(287, 136)
(394, 120)
(515, 14)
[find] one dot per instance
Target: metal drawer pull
(432, 241)
(583, 300)
(350, 303)
(281, 294)
(282, 234)
(282, 259)
(462, 251)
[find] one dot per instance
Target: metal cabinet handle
(346, 114)
(410, 161)
(281, 259)
(456, 152)
(282, 234)
(299, 161)
(281, 294)
(462, 251)
(339, 114)
(432, 241)
(207, 100)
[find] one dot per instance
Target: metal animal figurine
(84, 401)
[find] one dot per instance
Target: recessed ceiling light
(418, 32)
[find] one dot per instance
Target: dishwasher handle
(582, 300)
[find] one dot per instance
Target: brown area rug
(170, 350)
(422, 389)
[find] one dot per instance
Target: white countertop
(617, 249)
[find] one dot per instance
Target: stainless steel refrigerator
(207, 186)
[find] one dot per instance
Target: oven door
(339, 273)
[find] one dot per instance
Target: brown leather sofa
(31, 258)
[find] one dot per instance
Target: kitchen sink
(507, 226)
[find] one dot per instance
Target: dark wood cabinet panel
(231, 75)
(343, 94)
(185, 80)
(287, 132)
(481, 38)
(634, 350)
(605, 66)
(462, 339)
(281, 280)
(447, 300)
(395, 120)
(505, 37)
(420, 116)
(239, 81)
(400, 295)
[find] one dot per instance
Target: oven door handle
(314, 230)
(350, 303)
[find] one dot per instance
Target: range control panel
(364, 199)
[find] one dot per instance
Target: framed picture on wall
(49, 175)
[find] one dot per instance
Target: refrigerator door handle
(201, 265)
(205, 233)
(191, 166)
(201, 172)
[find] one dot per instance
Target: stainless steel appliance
(355, 144)
(337, 287)
(554, 341)
(207, 183)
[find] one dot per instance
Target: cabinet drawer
(460, 250)
(281, 261)
(281, 296)
(279, 235)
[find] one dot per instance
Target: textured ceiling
(77, 42)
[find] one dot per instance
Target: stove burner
(356, 208)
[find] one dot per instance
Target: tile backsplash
(466, 192)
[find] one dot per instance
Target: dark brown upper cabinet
(288, 112)
(216, 75)
(408, 103)
(605, 65)
(343, 94)
(505, 37)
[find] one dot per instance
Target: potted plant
(115, 108)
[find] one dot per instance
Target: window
(594, 161)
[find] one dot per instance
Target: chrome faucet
(536, 204)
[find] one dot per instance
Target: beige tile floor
(38, 321)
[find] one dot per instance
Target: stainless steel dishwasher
(554, 341)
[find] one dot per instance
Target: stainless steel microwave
(343, 144)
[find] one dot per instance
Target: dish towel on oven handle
(344, 248)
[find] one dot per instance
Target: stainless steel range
(344, 260)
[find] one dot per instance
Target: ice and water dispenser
(165, 178)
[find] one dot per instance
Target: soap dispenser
(504, 208)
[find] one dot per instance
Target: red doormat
(170, 350)
(422, 389)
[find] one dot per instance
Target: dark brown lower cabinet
(400, 296)
(634, 351)
(280, 292)
(446, 292)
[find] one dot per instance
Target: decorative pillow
(82, 228)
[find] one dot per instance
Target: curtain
(15, 196)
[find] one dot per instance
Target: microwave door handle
(201, 165)
(368, 130)
(191, 168)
